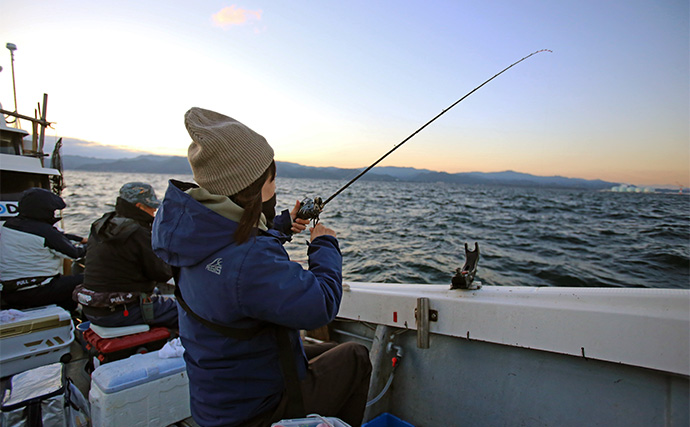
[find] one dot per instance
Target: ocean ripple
(415, 232)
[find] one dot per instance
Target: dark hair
(250, 200)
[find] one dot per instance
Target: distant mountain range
(179, 165)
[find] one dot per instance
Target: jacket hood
(40, 204)
(185, 230)
(119, 225)
(113, 228)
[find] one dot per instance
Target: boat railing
(39, 125)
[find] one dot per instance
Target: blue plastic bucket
(387, 420)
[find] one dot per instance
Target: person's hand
(84, 240)
(321, 230)
(298, 224)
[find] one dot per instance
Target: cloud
(80, 147)
(235, 16)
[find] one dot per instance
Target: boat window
(10, 145)
(17, 182)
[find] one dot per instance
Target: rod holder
(422, 316)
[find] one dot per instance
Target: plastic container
(142, 390)
(387, 420)
(314, 421)
(41, 337)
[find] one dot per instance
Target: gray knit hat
(226, 156)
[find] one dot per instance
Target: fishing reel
(310, 209)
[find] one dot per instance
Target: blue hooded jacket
(240, 286)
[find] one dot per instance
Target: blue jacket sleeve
(274, 289)
(283, 223)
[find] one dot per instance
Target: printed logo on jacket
(215, 266)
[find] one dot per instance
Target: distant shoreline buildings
(625, 188)
(628, 188)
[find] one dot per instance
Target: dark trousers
(164, 314)
(58, 291)
(336, 384)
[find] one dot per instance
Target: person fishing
(242, 300)
(121, 270)
(32, 251)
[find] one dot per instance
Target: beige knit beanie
(226, 156)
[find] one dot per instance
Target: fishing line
(310, 209)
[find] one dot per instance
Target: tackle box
(39, 336)
(142, 390)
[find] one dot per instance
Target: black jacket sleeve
(74, 237)
(56, 240)
(153, 267)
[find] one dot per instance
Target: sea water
(400, 232)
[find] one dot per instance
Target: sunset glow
(339, 84)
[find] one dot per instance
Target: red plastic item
(111, 345)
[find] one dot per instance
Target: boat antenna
(12, 47)
(310, 209)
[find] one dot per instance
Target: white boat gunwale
(647, 328)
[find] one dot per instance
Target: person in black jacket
(121, 269)
(32, 251)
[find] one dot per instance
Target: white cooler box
(40, 336)
(142, 390)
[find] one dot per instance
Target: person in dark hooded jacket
(234, 273)
(121, 269)
(32, 251)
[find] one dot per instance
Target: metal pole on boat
(12, 47)
(422, 313)
(43, 112)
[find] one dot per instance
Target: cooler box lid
(137, 369)
(34, 320)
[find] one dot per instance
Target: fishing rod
(312, 208)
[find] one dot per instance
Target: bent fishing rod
(312, 208)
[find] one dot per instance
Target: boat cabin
(21, 166)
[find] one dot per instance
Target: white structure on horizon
(625, 188)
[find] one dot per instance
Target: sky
(339, 83)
